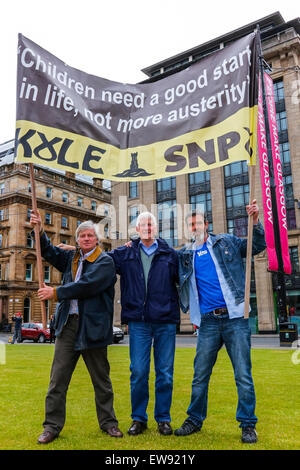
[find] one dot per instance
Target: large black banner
(197, 119)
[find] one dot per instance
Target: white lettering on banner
(267, 189)
(127, 98)
(31, 60)
(265, 165)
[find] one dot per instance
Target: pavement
(189, 341)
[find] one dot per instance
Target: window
(2, 188)
(281, 121)
(28, 274)
(3, 214)
(203, 200)
(236, 168)
(47, 273)
(79, 201)
(285, 152)
(294, 257)
(26, 316)
(28, 213)
(93, 205)
(29, 187)
(106, 235)
(48, 218)
(29, 241)
(133, 189)
(64, 222)
(238, 226)
(278, 91)
(133, 213)
(167, 221)
(238, 196)
(65, 197)
(166, 184)
(200, 195)
(49, 193)
(78, 223)
(1, 240)
(199, 177)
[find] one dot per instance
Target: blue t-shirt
(208, 285)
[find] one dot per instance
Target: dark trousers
(52, 335)
(17, 335)
(64, 362)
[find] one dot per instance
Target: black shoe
(187, 428)
(249, 435)
(137, 427)
(164, 428)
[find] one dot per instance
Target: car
(35, 332)
(118, 334)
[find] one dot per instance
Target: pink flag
(265, 183)
(278, 178)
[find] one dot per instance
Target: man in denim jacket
(212, 286)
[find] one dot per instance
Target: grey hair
(145, 215)
(88, 225)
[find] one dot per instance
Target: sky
(116, 39)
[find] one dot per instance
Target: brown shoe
(114, 431)
(46, 437)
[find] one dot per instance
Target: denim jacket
(229, 252)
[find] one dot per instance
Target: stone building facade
(224, 192)
(64, 201)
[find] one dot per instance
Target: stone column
(218, 200)
(182, 199)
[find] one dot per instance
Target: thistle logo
(134, 169)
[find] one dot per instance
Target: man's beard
(199, 237)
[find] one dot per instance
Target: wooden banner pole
(38, 244)
(251, 169)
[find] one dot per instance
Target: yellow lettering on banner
(233, 139)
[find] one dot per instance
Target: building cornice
(17, 197)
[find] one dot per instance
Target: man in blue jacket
(212, 285)
(148, 272)
(83, 326)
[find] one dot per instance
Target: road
(189, 341)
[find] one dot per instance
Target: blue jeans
(235, 334)
(163, 336)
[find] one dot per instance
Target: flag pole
(251, 172)
(37, 244)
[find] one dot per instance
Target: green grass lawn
(24, 382)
